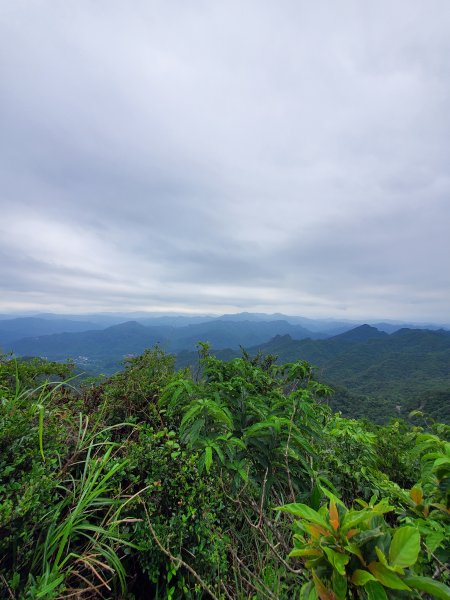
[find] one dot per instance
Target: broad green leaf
(353, 518)
(243, 474)
(337, 559)
(383, 560)
(441, 461)
(302, 511)
(391, 567)
(405, 547)
(387, 577)
(300, 441)
(193, 410)
(315, 497)
(382, 507)
(219, 452)
(361, 577)
(430, 586)
(375, 591)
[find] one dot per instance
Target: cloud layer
(215, 156)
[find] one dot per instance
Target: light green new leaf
(302, 511)
(405, 547)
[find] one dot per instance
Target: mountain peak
(363, 333)
(127, 326)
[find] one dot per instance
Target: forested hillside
(375, 375)
(233, 482)
(104, 349)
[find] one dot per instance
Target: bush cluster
(236, 481)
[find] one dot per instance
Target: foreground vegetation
(236, 481)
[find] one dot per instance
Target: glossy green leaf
(430, 586)
(361, 577)
(302, 511)
(405, 547)
(353, 518)
(385, 576)
(365, 536)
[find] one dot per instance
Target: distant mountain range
(20, 327)
(132, 337)
(378, 372)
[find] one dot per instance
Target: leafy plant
(259, 424)
(353, 553)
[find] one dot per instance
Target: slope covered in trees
(235, 482)
(111, 344)
(375, 375)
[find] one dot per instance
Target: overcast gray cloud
(219, 156)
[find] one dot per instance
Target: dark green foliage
(134, 392)
(256, 418)
(379, 376)
(376, 376)
(97, 349)
(164, 484)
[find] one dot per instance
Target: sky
(212, 157)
